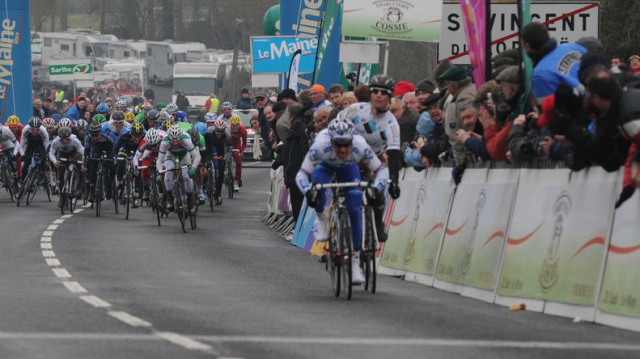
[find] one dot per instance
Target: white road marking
(78, 210)
(95, 301)
(129, 319)
(48, 254)
(53, 261)
(61, 273)
(183, 341)
(52, 227)
(75, 287)
(47, 233)
(78, 336)
(45, 239)
(67, 216)
(45, 245)
(58, 221)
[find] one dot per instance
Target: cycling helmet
(201, 127)
(100, 118)
(195, 136)
(235, 120)
(384, 82)
(49, 122)
(174, 133)
(120, 104)
(210, 117)
(95, 127)
(152, 137)
(117, 116)
(35, 122)
(102, 108)
(220, 125)
(64, 132)
(152, 115)
(171, 108)
(226, 104)
(137, 129)
(65, 122)
(81, 124)
(167, 125)
(136, 110)
(164, 116)
(160, 106)
(341, 130)
(13, 121)
(129, 117)
(147, 108)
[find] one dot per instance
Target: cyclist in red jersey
(238, 141)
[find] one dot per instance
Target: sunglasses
(377, 90)
(342, 144)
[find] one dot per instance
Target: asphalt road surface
(85, 287)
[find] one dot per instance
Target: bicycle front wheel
(334, 265)
(178, 197)
(369, 251)
(155, 198)
(346, 252)
(32, 186)
(211, 185)
(127, 194)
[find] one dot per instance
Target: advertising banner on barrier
(414, 20)
(403, 221)
(432, 211)
(556, 241)
(620, 292)
(274, 53)
(15, 60)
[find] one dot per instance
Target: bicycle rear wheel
(32, 187)
(127, 194)
(98, 195)
(369, 251)
(22, 194)
(346, 253)
(155, 199)
(178, 197)
(114, 195)
(211, 185)
(334, 265)
(8, 182)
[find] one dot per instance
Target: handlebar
(145, 167)
(319, 186)
(71, 161)
(187, 165)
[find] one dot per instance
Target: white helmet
(171, 108)
(175, 133)
(65, 122)
(210, 117)
(152, 137)
(341, 130)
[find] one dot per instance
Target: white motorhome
(132, 77)
(163, 55)
(128, 49)
(198, 80)
(74, 44)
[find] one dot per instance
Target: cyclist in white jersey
(337, 150)
(379, 127)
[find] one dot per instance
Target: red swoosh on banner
(395, 224)
(516, 241)
(352, 10)
(453, 232)
(498, 234)
(623, 250)
(430, 22)
(439, 225)
(597, 240)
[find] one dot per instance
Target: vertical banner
(293, 70)
(524, 9)
(15, 60)
(474, 13)
(327, 71)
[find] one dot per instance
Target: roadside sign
(71, 69)
(567, 22)
(272, 54)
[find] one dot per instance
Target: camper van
(129, 49)
(74, 44)
(198, 80)
(162, 56)
(132, 77)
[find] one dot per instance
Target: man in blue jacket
(77, 111)
(553, 64)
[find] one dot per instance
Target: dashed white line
(53, 262)
(48, 253)
(45, 245)
(45, 239)
(183, 341)
(78, 210)
(61, 273)
(75, 287)
(67, 216)
(52, 227)
(129, 319)
(58, 221)
(47, 233)
(95, 301)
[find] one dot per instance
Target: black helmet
(95, 127)
(382, 81)
(64, 132)
(153, 115)
(137, 129)
(117, 116)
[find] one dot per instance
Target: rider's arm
(162, 152)
(311, 160)
(117, 146)
(393, 150)
(45, 137)
(136, 157)
(52, 151)
(78, 145)
(243, 133)
(193, 151)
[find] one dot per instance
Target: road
(86, 287)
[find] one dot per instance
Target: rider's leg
(238, 168)
(322, 174)
(354, 201)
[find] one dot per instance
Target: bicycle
(154, 197)
(178, 197)
(30, 184)
(6, 176)
(100, 188)
(211, 182)
(369, 239)
(129, 178)
(69, 197)
(231, 170)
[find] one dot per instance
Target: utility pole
(233, 86)
(102, 11)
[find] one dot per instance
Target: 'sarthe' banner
(414, 20)
(15, 60)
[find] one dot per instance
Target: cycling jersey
(7, 139)
(111, 127)
(125, 143)
(104, 142)
(381, 131)
(239, 138)
(65, 150)
(29, 140)
(180, 150)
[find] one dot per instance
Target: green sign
(71, 69)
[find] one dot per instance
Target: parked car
(245, 116)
